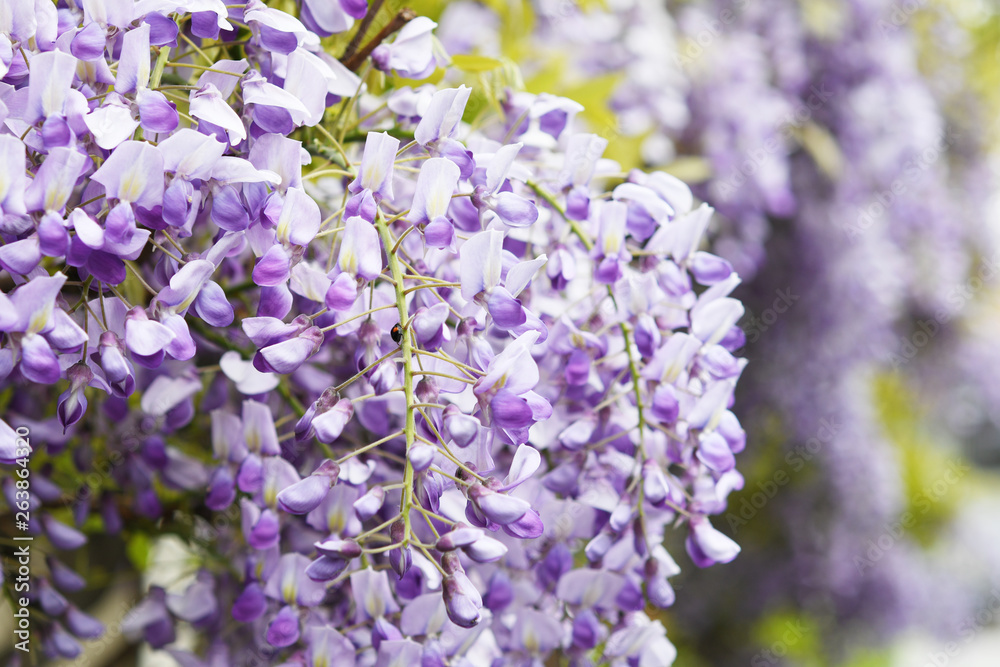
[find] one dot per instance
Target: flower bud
(485, 549)
(461, 608)
(402, 558)
(460, 536)
(421, 456)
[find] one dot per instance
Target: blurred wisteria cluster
(350, 333)
(848, 149)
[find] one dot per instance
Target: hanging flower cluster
(452, 375)
(840, 181)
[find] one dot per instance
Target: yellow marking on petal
(373, 605)
(349, 261)
(336, 522)
(132, 185)
(372, 177)
(284, 229)
(531, 642)
(39, 320)
(437, 205)
(53, 195)
(288, 589)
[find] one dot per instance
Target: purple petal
(330, 424)
(525, 463)
(515, 210)
(251, 603)
(177, 201)
(500, 593)
(355, 8)
(709, 269)
(205, 25)
(440, 233)
(209, 105)
(326, 568)
(55, 180)
(221, 490)
(420, 456)
(182, 347)
(714, 452)
(507, 311)
(49, 82)
(284, 629)
(443, 114)
(265, 532)
(300, 219)
(487, 549)
(707, 546)
(412, 54)
(501, 508)
(162, 30)
(88, 44)
(305, 496)
(133, 66)
(369, 504)
(343, 292)
(510, 410)
(38, 362)
(228, 210)
(275, 301)
(527, 527)
(190, 154)
(56, 132)
(436, 183)
(63, 536)
(156, 113)
(21, 256)
(213, 306)
(377, 162)
(133, 173)
(287, 356)
(273, 267)
(461, 608)
(83, 625)
(360, 251)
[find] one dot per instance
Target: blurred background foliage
(737, 614)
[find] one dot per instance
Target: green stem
(551, 201)
(161, 62)
(627, 339)
(406, 351)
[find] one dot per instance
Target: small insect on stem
(396, 333)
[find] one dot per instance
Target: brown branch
(366, 23)
(404, 16)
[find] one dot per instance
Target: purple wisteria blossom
(409, 386)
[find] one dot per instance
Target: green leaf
(138, 549)
(468, 63)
